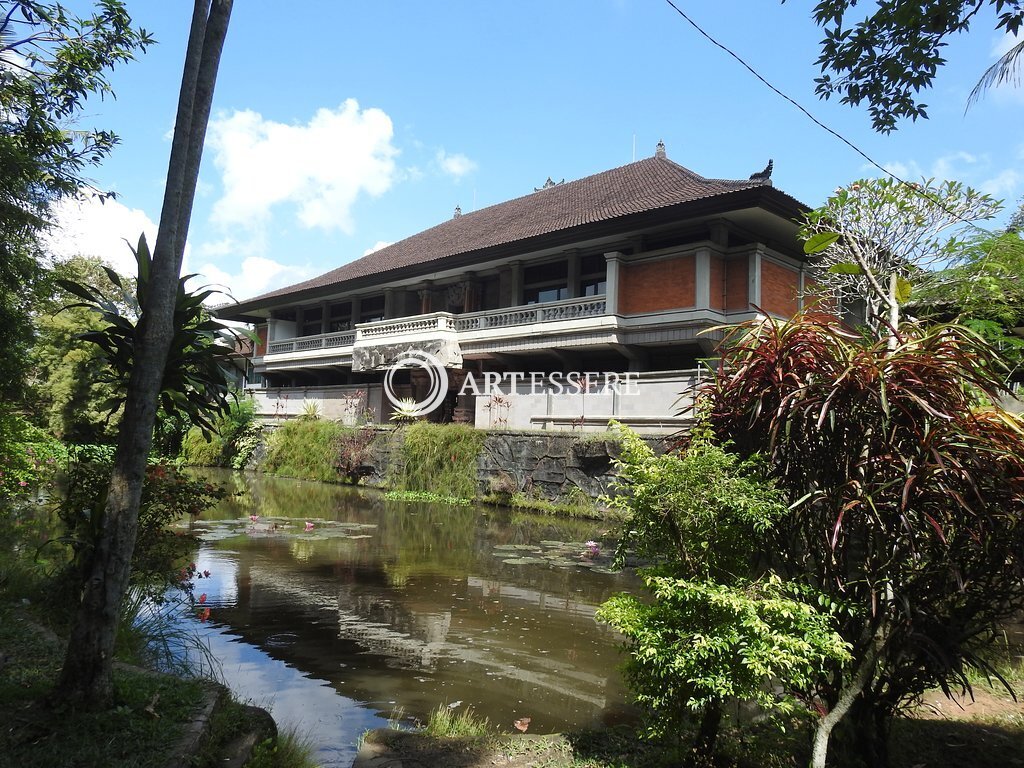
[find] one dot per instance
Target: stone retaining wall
(551, 466)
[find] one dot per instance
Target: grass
(446, 722)
(307, 449)
(440, 458)
(427, 496)
(291, 750)
(149, 715)
(150, 710)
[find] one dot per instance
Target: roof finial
(764, 176)
(458, 211)
(549, 184)
(659, 151)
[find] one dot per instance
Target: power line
(909, 185)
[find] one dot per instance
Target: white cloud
(88, 227)
(1003, 45)
(376, 247)
(457, 165)
(319, 169)
(255, 276)
(997, 178)
(1003, 184)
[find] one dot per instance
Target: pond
(381, 607)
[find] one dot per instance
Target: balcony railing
(438, 321)
(540, 313)
(445, 324)
(320, 341)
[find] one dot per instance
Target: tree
(874, 238)
(86, 676)
(887, 56)
(69, 382)
(985, 293)
(722, 625)
(50, 62)
(907, 501)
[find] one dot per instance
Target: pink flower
(254, 518)
(202, 598)
(23, 483)
(309, 526)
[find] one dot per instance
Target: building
(631, 271)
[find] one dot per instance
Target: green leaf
(845, 268)
(903, 290)
(820, 242)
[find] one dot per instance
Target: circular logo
(436, 374)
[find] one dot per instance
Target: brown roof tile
(645, 185)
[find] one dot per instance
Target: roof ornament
(458, 211)
(548, 184)
(765, 175)
(659, 151)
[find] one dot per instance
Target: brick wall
(657, 285)
(261, 341)
(737, 278)
(779, 287)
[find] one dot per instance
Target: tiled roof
(645, 185)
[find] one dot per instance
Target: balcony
(528, 325)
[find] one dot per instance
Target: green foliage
(427, 497)
(53, 61)
(199, 450)
(722, 625)
(887, 55)
(702, 642)
(234, 437)
(875, 241)
(985, 293)
(69, 383)
(440, 458)
(195, 384)
(702, 509)
(28, 455)
(306, 448)
(168, 495)
(908, 499)
(447, 722)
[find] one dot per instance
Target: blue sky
(339, 126)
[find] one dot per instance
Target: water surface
(385, 606)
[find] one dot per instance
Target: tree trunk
(86, 677)
(847, 697)
(704, 745)
(870, 723)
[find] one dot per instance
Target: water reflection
(389, 604)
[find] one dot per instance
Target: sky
(340, 126)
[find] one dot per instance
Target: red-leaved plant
(907, 488)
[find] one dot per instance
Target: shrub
(721, 625)
(440, 458)
(234, 437)
(907, 500)
(305, 448)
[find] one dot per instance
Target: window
(341, 317)
(544, 295)
(546, 282)
(312, 321)
(371, 310)
(593, 287)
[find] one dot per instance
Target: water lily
(254, 518)
(309, 526)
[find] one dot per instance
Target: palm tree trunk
(86, 677)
